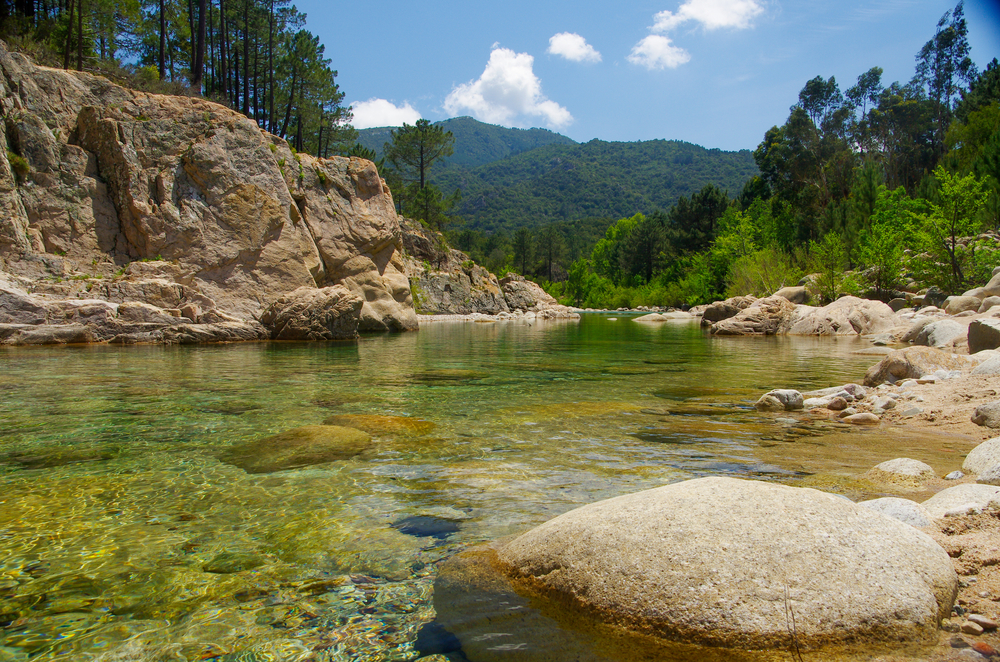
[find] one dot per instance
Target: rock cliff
(113, 195)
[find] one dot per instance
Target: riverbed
(125, 534)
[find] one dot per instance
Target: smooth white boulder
(719, 561)
(962, 499)
(906, 511)
(982, 457)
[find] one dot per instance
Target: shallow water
(124, 536)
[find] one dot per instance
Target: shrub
(18, 164)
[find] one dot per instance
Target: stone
(231, 562)
(904, 510)
(983, 457)
(697, 562)
(955, 475)
(652, 317)
(837, 404)
(961, 499)
(720, 310)
(912, 363)
(990, 477)
(934, 297)
(962, 304)
(984, 649)
(309, 313)
(780, 400)
(984, 334)
(990, 366)
(144, 313)
(987, 415)
(901, 472)
(969, 627)
(797, 295)
(937, 333)
(989, 303)
(404, 426)
(764, 317)
(846, 316)
(864, 418)
(299, 447)
(987, 624)
(992, 288)
(897, 304)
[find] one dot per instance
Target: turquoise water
(125, 535)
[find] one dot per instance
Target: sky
(717, 73)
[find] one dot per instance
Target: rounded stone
(962, 499)
(780, 400)
(901, 472)
(990, 477)
(904, 510)
(987, 415)
(863, 418)
(983, 456)
(299, 447)
(837, 404)
(720, 561)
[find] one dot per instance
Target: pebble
(955, 475)
(979, 619)
(969, 627)
(958, 642)
(850, 411)
(862, 419)
(984, 648)
(912, 411)
(949, 625)
(837, 404)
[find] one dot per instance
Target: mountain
(476, 143)
(562, 182)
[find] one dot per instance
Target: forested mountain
(596, 179)
(476, 143)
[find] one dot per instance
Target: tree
(829, 258)
(523, 246)
(955, 217)
(412, 153)
(942, 65)
(550, 247)
(880, 244)
(692, 221)
(643, 246)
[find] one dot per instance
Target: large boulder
(308, 313)
(935, 333)
(902, 473)
(764, 317)
(989, 303)
(721, 310)
(984, 334)
(845, 316)
(962, 499)
(722, 562)
(984, 456)
(780, 400)
(798, 294)
(992, 288)
(956, 305)
(913, 363)
(904, 510)
(300, 447)
(987, 415)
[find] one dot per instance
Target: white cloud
(379, 112)
(656, 52)
(712, 14)
(508, 88)
(573, 47)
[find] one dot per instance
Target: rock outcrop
(226, 216)
(913, 363)
(776, 315)
(719, 561)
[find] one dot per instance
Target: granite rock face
(776, 315)
(717, 561)
(913, 363)
(228, 216)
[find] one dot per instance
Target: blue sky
(718, 73)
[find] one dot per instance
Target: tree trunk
(69, 38)
(199, 51)
(270, 69)
(163, 42)
(291, 100)
(211, 51)
(223, 50)
(246, 57)
(79, 36)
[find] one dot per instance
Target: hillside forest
(870, 190)
(253, 55)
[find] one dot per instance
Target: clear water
(123, 536)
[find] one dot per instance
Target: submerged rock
(403, 426)
(719, 561)
(300, 447)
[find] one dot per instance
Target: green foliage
(880, 250)
(18, 164)
(829, 261)
(955, 216)
(564, 182)
(762, 273)
(410, 156)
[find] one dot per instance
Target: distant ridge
(511, 178)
